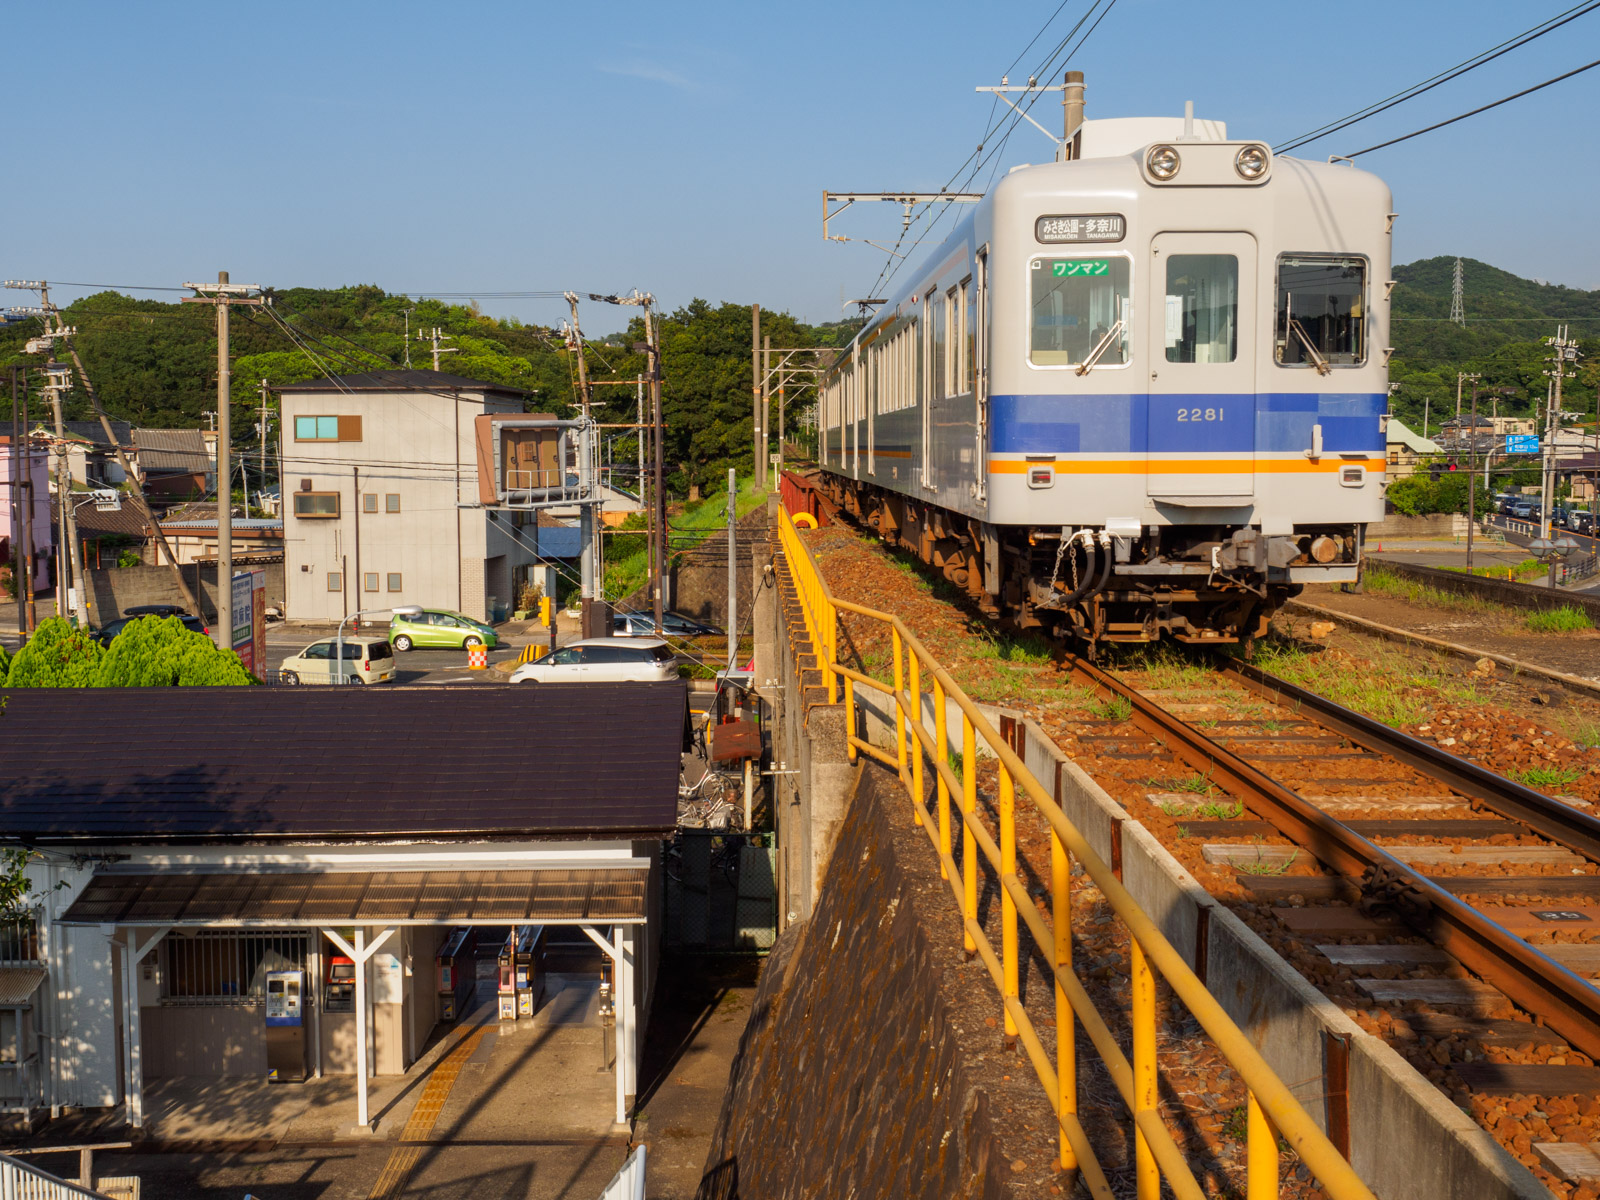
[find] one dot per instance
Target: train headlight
(1251, 162)
(1163, 162)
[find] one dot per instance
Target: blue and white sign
(1522, 443)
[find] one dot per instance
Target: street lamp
(403, 610)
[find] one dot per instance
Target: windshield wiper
(1094, 356)
(1321, 363)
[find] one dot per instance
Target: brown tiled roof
(259, 763)
(182, 450)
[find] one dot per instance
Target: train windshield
(1077, 302)
(1202, 313)
(1321, 311)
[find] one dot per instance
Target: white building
(381, 475)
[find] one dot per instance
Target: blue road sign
(1522, 443)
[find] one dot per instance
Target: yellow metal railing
(1271, 1108)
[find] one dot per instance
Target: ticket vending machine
(286, 1029)
(340, 996)
(506, 987)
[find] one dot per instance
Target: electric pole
(766, 411)
(589, 525)
(406, 341)
(660, 499)
(22, 570)
(1563, 350)
(261, 463)
(224, 295)
(437, 337)
(70, 589)
(757, 386)
(1472, 474)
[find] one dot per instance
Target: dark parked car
(1581, 521)
(632, 624)
(105, 633)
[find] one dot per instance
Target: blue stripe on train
(1141, 423)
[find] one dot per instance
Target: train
(1140, 392)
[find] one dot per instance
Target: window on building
(369, 502)
(1202, 313)
(391, 502)
(369, 581)
(316, 505)
(226, 968)
(335, 581)
(1321, 310)
(1076, 303)
(394, 581)
(327, 429)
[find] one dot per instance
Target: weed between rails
(1548, 777)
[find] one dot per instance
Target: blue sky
(683, 149)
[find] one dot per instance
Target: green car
(439, 628)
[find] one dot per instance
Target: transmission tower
(1457, 312)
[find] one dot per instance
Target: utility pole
(261, 464)
(639, 434)
(22, 485)
(1472, 474)
(766, 411)
(437, 337)
(70, 590)
(224, 295)
(406, 341)
(758, 386)
(733, 569)
(589, 527)
(660, 499)
(1562, 352)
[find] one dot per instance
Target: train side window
(1321, 318)
(1076, 303)
(1202, 324)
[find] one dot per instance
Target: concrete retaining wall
(1496, 591)
(857, 1074)
(1394, 525)
(113, 590)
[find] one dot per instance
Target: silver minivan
(366, 660)
(603, 660)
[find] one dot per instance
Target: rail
(1270, 1104)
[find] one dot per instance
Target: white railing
(626, 1184)
(19, 1181)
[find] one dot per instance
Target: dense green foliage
(162, 653)
(57, 655)
(149, 652)
(1418, 495)
(1506, 318)
(154, 363)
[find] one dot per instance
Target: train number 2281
(1199, 414)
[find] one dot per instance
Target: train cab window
(1077, 304)
(1202, 323)
(1321, 319)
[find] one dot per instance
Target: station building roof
(469, 763)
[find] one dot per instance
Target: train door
(979, 340)
(1202, 353)
(872, 365)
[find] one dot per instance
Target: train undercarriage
(1211, 585)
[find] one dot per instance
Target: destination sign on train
(1094, 227)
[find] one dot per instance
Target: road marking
(414, 1137)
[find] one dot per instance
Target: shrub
(57, 655)
(153, 652)
(1559, 620)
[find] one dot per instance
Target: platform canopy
(606, 895)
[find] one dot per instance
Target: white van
(366, 660)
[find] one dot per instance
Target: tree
(152, 652)
(57, 655)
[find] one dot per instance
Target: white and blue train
(1138, 393)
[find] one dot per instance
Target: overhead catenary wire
(1474, 112)
(1433, 81)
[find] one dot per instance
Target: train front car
(1188, 388)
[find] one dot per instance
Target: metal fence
(1272, 1109)
(225, 968)
(721, 891)
(21, 1181)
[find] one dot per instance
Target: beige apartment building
(376, 470)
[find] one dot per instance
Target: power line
(1474, 112)
(1433, 81)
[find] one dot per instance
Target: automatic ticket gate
(521, 982)
(456, 966)
(286, 1027)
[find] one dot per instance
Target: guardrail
(22, 1181)
(1270, 1106)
